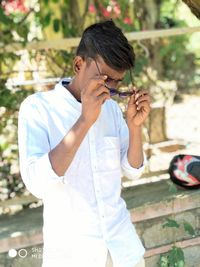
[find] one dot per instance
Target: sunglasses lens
(125, 94)
(113, 91)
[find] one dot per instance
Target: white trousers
(141, 263)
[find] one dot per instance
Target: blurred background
(38, 40)
(167, 66)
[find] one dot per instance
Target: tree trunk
(194, 6)
(148, 14)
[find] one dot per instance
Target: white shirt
(84, 215)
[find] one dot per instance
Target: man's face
(94, 68)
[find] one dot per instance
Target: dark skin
(88, 87)
(86, 70)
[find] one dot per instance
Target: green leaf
(22, 30)
(176, 257)
(47, 19)
(163, 261)
(56, 25)
(3, 18)
(171, 223)
(189, 229)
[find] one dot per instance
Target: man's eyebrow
(117, 80)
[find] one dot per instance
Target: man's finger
(103, 97)
(131, 99)
(145, 105)
(101, 89)
(96, 82)
(143, 98)
(140, 93)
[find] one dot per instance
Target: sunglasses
(114, 91)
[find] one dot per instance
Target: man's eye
(109, 80)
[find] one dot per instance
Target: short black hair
(105, 39)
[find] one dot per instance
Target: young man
(75, 146)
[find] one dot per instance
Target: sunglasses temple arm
(97, 68)
(100, 72)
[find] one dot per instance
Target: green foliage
(10, 182)
(188, 228)
(3, 18)
(177, 61)
(56, 25)
(163, 261)
(16, 23)
(174, 258)
(47, 19)
(171, 223)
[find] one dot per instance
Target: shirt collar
(62, 90)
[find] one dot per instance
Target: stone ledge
(163, 249)
(154, 200)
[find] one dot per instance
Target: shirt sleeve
(35, 167)
(127, 170)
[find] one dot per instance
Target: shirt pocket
(108, 154)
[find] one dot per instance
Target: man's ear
(77, 64)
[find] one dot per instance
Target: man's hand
(138, 108)
(93, 95)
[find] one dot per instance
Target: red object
(128, 20)
(14, 6)
(105, 12)
(91, 8)
(184, 171)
